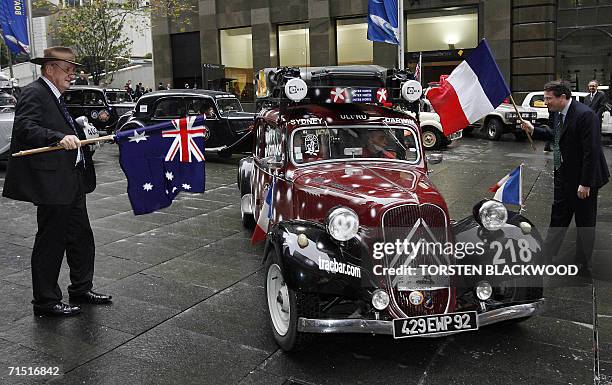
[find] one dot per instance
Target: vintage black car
(92, 102)
(120, 100)
(230, 128)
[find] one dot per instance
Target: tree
(95, 30)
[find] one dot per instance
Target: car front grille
(417, 222)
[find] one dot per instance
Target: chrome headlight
(342, 223)
(493, 215)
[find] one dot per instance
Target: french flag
(475, 88)
(510, 188)
(265, 215)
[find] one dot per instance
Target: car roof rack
(371, 84)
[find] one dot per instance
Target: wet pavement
(189, 305)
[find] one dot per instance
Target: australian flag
(162, 160)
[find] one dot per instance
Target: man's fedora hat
(57, 53)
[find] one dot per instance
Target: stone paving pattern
(189, 304)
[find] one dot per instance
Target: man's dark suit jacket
(596, 103)
(583, 161)
(46, 178)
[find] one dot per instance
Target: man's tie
(69, 119)
(556, 147)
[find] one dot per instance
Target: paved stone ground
(189, 306)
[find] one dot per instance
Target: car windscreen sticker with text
(143, 108)
(273, 142)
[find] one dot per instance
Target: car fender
(519, 234)
(245, 174)
(301, 265)
(131, 121)
(492, 115)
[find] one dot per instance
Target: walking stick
(522, 121)
(58, 147)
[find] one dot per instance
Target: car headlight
(342, 223)
(491, 214)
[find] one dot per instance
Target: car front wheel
(495, 129)
(285, 307)
(432, 138)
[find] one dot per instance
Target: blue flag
(382, 21)
(162, 160)
(14, 24)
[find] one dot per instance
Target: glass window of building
(352, 44)
(444, 30)
(237, 57)
(293, 44)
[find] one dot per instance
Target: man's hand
(70, 142)
(583, 192)
(527, 127)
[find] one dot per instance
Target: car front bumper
(310, 325)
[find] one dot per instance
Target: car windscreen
(227, 105)
(331, 143)
(93, 98)
(118, 97)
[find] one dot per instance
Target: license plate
(435, 324)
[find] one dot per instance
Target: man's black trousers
(566, 205)
(62, 229)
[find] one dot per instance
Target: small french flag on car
(509, 189)
(265, 215)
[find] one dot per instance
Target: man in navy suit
(580, 170)
(56, 182)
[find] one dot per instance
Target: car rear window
(170, 109)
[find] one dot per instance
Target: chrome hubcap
(429, 139)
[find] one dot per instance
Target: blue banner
(14, 24)
(162, 160)
(382, 21)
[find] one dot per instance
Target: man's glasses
(71, 74)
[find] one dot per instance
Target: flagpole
(400, 22)
(58, 147)
(421, 68)
(31, 36)
(522, 120)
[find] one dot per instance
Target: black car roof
(186, 91)
(83, 87)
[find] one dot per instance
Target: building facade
(227, 40)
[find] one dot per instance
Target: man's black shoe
(58, 310)
(91, 297)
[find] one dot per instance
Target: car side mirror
(271, 162)
(434, 158)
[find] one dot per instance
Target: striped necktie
(69, 119)
(556, 147)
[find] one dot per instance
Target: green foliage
(95, 31)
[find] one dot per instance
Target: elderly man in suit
(56, 182)
(580, 170)
(596, 100)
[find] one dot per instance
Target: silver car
(7, 115)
